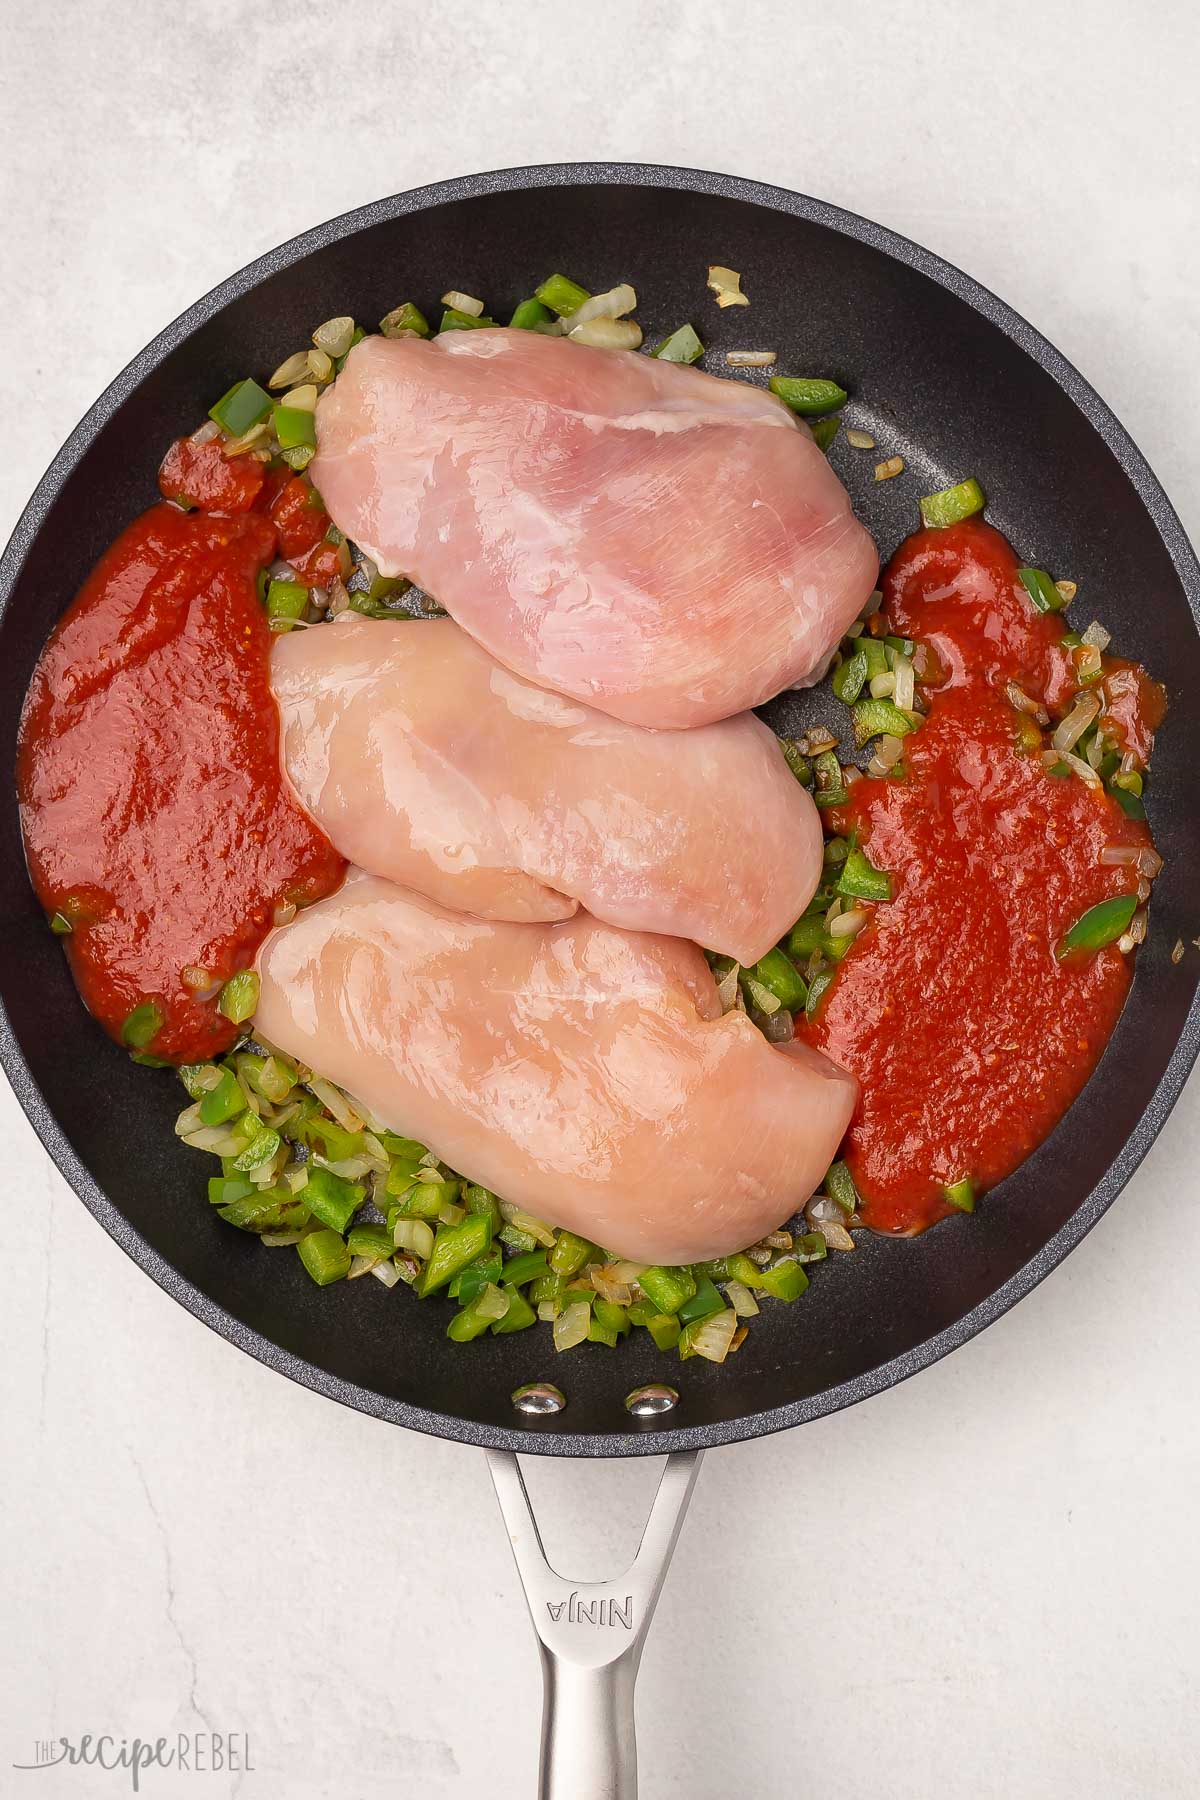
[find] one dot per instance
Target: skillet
(941, 372)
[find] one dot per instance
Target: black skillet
(940, 372)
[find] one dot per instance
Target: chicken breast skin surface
(427, 762)
(583, 1073)
(669, 546)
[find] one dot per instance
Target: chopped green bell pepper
(668, 1288)
(453, 1248)
(952, 504)
(860, 880)
(1100, 925)
(808, 395)
(331, 1198)
(683, 346)
(325, 1255)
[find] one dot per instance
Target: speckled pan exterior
(941, 372)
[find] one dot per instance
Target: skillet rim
(634, 1440)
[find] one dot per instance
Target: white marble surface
(1014, 1613)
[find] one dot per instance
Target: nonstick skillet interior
(941, 373)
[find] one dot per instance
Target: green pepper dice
(562, 295)
(1041, 590)
(1100, 925)
(953, 504)
(683, 346)
(807, 395)
(860, 880)
(243, 406)
(295, 428)
(667, 1288)
(453, 1248)
(325, 1255)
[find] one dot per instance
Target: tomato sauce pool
(158, 824)
(969, 1032)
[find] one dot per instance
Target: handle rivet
(648, 1402)
(539, 1397)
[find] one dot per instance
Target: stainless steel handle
(590, 1635)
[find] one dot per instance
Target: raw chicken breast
(425, 761)
(670, 547)
(581, 1072)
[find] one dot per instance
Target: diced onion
(491, 1302)
(859, 440)
(204, 434)
(320, 366)
(215, 1139)
(464, 303)
(202, 983)
(890, 467)
(608, 1288)
(523, 1221)
(292, 368)
(1083, 769)
(905, 691)
(415, 1235)
(1068, 589)
(836, 1236)
(375, 1152)
(749, 359)
(335, 1102)
(275, 1240)
(346, 1168)
(304, 398)
(847, 924)
(607, 334)
(1088, 661)
(613, 305)
(387, 1272)
(726, 284)
(361, 1265)
(715, 1336)
(333, 337)
(1069, 730)
(1022, 702)
(889, 750)
(571, 1325)
(627, 1271)
(285, 911)
(763, 998)
(239, 445)
(727, 988)
(548, 1311)
(1149, 862)
(778, 1240)
(741, 1299)
(1119, 856)
(882, 686)
(1096, 636)
(819, 740)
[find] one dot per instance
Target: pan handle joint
(590, 1636)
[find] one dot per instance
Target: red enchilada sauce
(156, 817)
(968, 1033)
